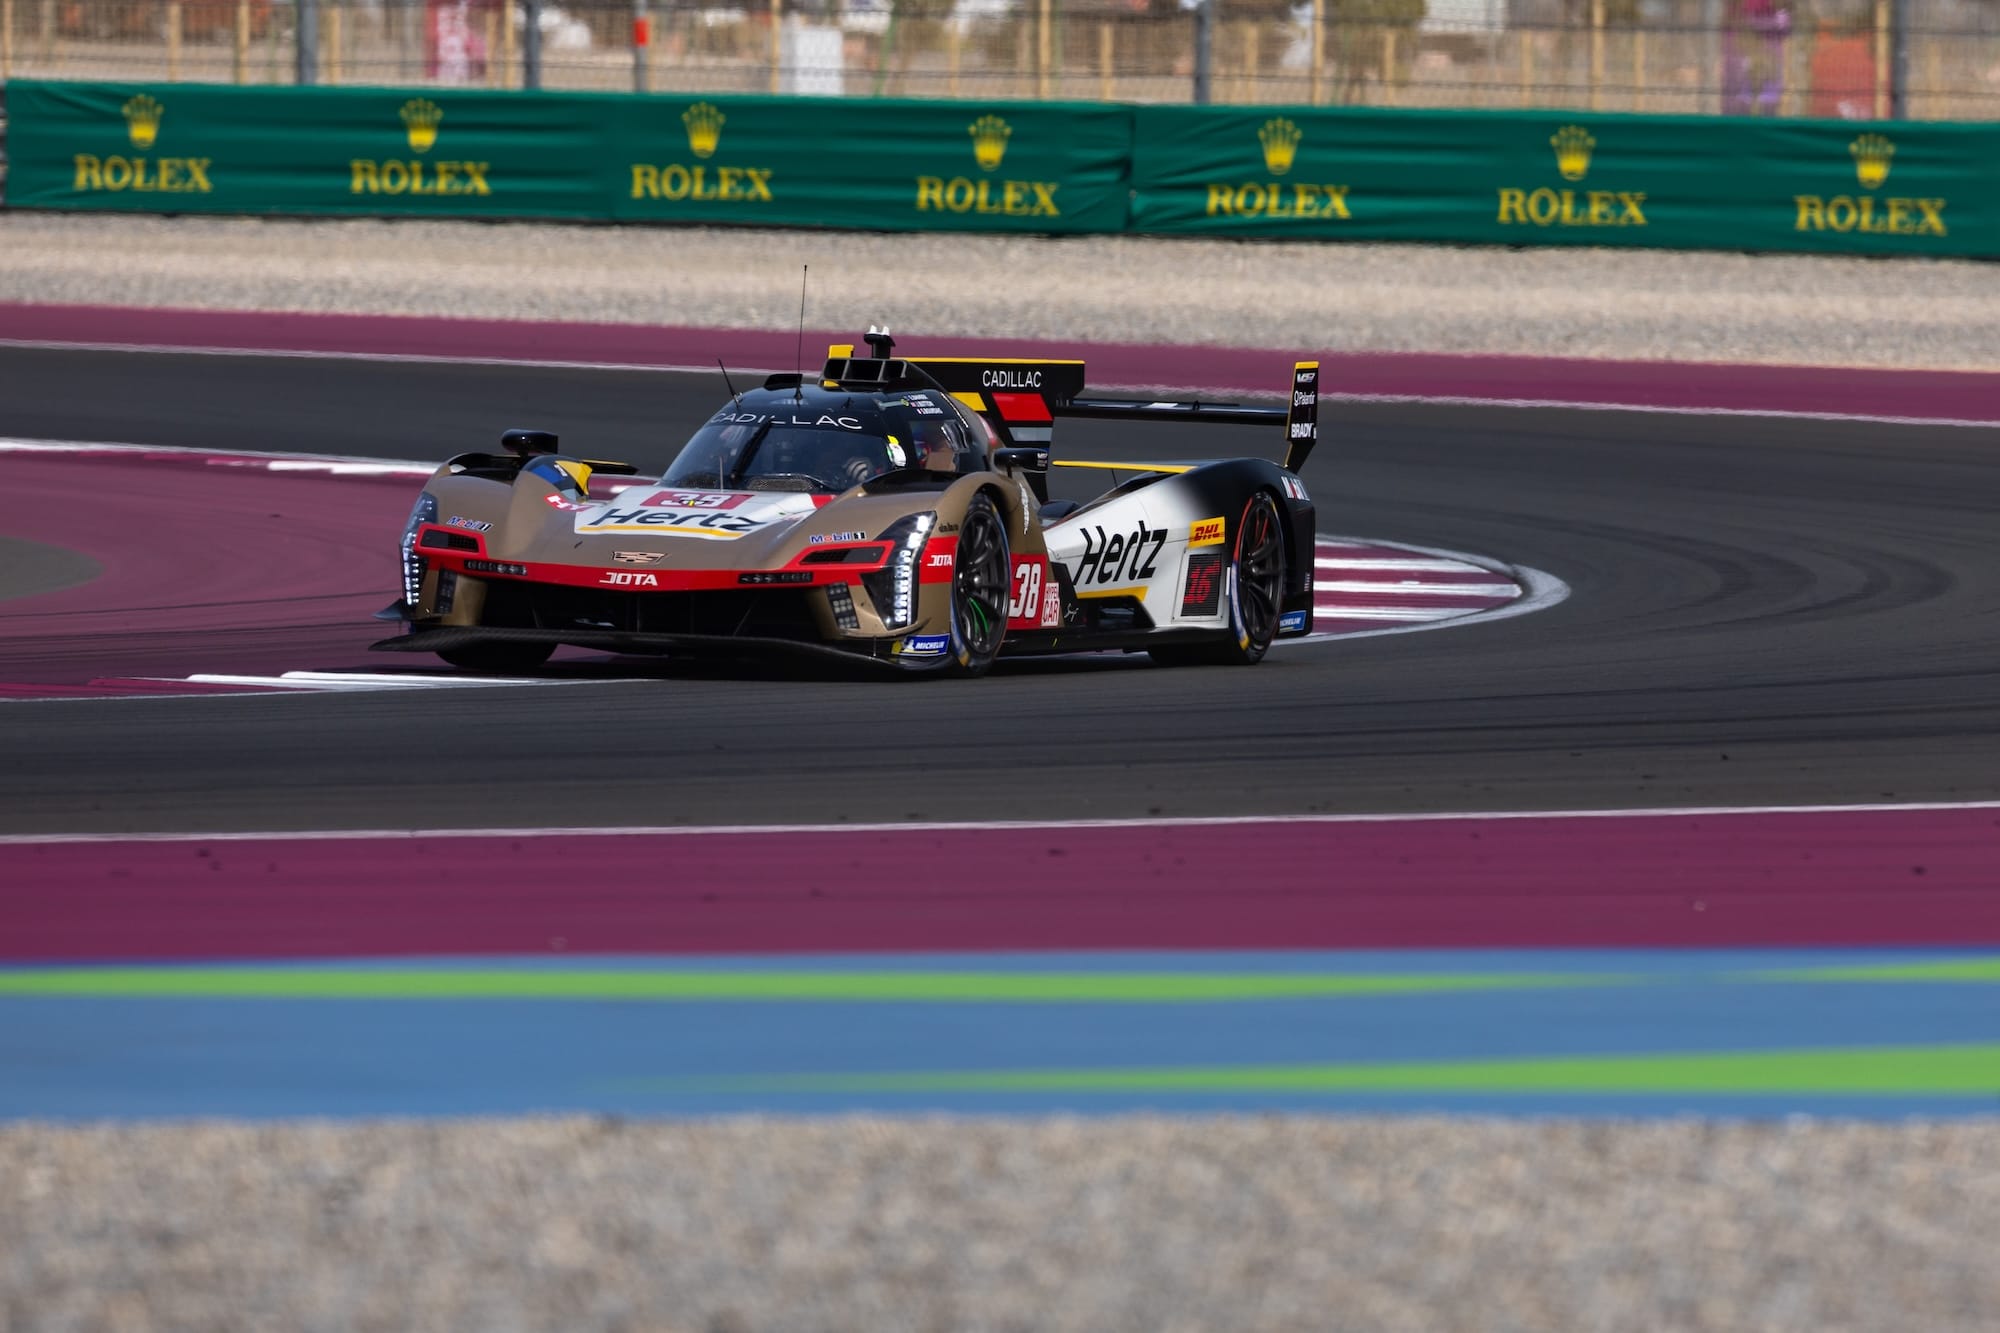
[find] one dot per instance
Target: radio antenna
(799, 358)
(726, 384)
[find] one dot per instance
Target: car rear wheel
(498, 658)
(981, 573)
(1256, 593)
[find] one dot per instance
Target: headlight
(893, 589)
(425, 511)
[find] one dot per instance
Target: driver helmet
(570, 477)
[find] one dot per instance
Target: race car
(889, 510)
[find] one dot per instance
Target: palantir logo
(989, 141)
(142, 121)
(420, 121)
(704, 128)
(1280, 138)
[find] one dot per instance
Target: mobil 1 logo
(1117, 557)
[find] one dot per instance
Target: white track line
(1258, 391)
(1324, 561)
(1048, 825)
(1412, 588)
(1400, 614)
(339, 681)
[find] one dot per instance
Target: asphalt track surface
(1765, 611)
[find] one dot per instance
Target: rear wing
(1300, 414)
(1020, 398)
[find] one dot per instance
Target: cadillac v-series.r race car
(888, 509)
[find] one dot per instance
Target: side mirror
(522, 443)
(1020, 459)
(1030, 463)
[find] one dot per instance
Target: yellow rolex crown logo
(420, 118)
(989, 140)
(1871, 159)
(142, 120)
(1281, 144)
(704, 127)
(1572, 144)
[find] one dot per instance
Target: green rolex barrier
(813, 162)
(1542, 178)
(1508, 178)
(180, 148)
(879, 165)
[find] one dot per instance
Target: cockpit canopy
(816, 439)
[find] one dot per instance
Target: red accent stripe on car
(1022, 407)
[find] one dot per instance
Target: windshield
(800, 447)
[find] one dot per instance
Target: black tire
(500, 659)
(981, 579)
(1256, 593)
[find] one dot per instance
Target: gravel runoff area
(1626, 304)
(871, 1225)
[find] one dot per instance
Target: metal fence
(1920, 59)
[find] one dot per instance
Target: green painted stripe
(312, 983)
(1945, 1071)
(1951, 969)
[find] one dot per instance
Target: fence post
(1899, 60)
(332, 13)
(173, 41)
(1204, 51)
(1638, 69)
(240, 62)
(506, 43)
(1527, 67)
(1318, 65)
(1596, 55)
(531, 44)
(1798, 75)
(1104, 60)
(1881, 59)
(778, 46)
(1711, 51)
(642, 46)
(1388, 67)
(1043, 50)
(951, 40)
(305, 43)
(6, 39)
